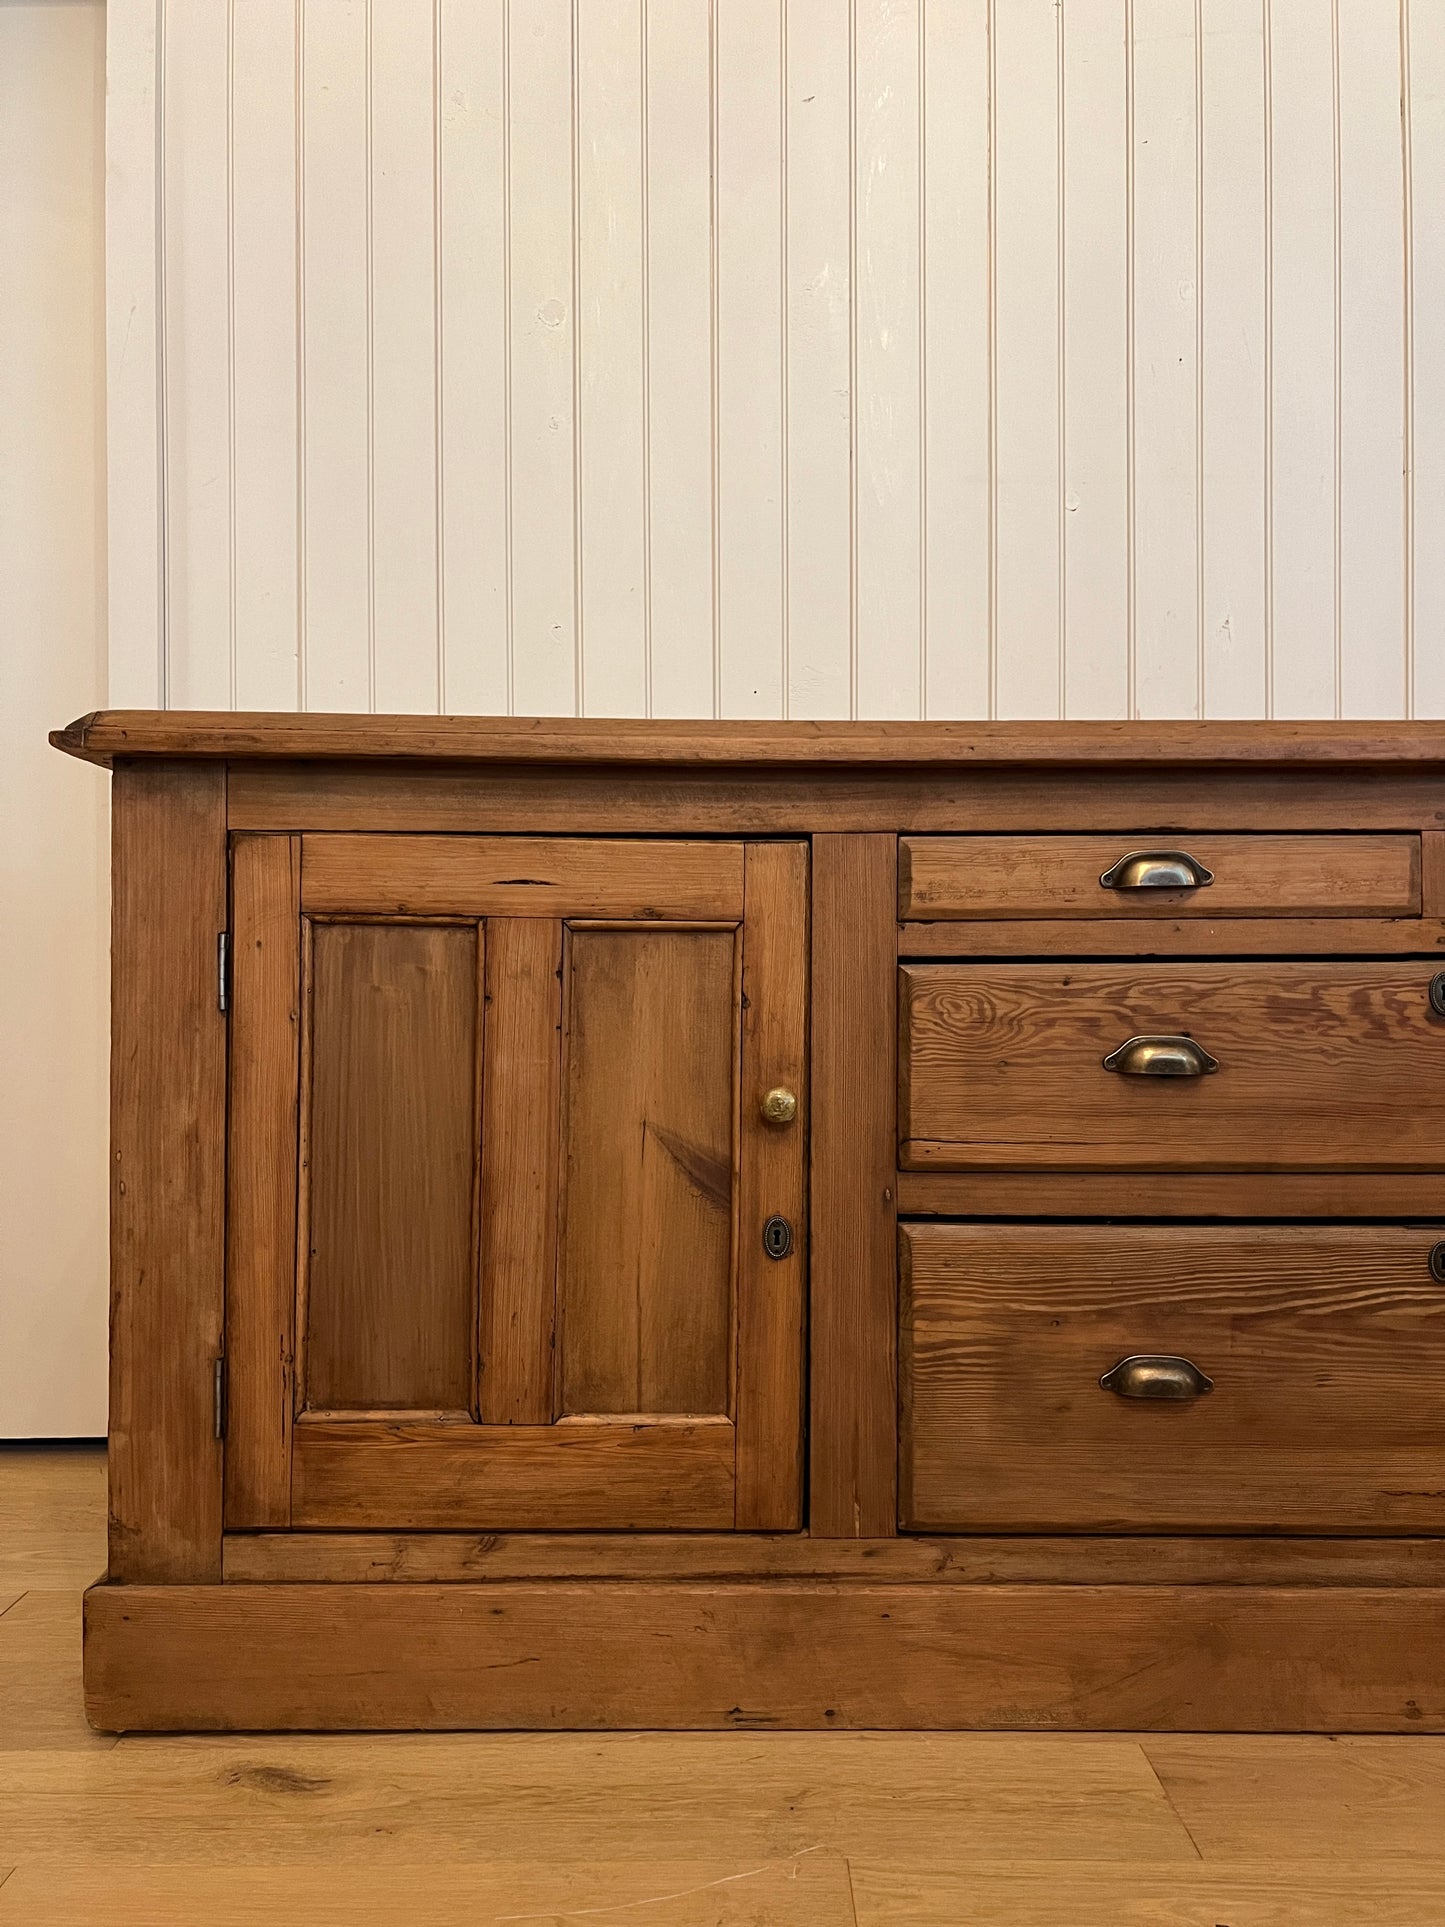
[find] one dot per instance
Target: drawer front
(1320, 1066)
(1325, 1350)
(1237, 876)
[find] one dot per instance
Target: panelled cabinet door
(501, 1176)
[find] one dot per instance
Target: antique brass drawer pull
(1161, 1057)
(1157, 870)
(1165, 1377)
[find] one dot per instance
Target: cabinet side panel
(852, 1292)
(391, 1151)
(167, 1212)
(261, 1181)
(519, 1170)
(645, 1267)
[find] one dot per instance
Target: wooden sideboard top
(109, 733)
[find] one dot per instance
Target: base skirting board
(598, 1654)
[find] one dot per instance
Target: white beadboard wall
(779, 357)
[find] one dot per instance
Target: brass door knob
(778, 1106)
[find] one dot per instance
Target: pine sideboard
(647, 1224)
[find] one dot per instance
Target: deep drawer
(1320, 1066)
(940, 877)
(1325, 1348)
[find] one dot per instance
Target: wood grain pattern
(520, 1173)
(625, 799)
(104, 734)
(167, 1199)
(391, 1143)
(1175, 1194)
(582, 1474)
(447, 876)
(1323, 1066)
(1325, 1347)
(852, 1212)
(772, 1178)
(648, 1131)
(1432, 873)
(971, 1559)
(575, 1654)
(261, 1181)
(1253, 876)
(1148, 937)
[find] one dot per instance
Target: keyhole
(777, 1237)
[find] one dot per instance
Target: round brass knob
(779, 1106)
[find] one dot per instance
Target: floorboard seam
(1169, 1802)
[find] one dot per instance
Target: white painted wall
(53, 825)
(758, 357)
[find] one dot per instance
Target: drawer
(1320, 1066)
(1234, 876)
(1324, 1350)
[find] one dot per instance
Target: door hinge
(218, 1392)
(223, 970)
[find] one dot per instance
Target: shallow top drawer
(1125, 876)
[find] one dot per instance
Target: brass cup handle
(778, 1106)
(1156, 1377)
(1161, 1057)
(1157, 870)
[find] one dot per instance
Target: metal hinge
(219, 1397)
(223, 970)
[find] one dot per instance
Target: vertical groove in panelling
(1028, 563)
(1094, 479)
(954, 304)
(231, 351)
(370, 298)
(1165, 327)
(335, 428)
(1339, 339)
(263, 318)
(438, 364)
(784, 601)
(1267, 81)
(1372, 674)
(299, 259)
(1407, 214)
(1233, 346)
(163, 463)
(886, 296)
(195, 312)
(1061, 369)
(579, 554)
(678, 438)
(611, 358)
(1200, 295)
(921, 536)
(1426, 45)
(510, 623)
(854, 397)
(644, 88)
(541, 183)
(1303, 358)
(749, 419)
(1131, 491)
(818, 327)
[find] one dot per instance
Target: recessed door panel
(390, 1147)
(648, 1110)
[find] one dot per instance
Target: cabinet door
(500, 1174)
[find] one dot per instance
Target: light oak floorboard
(576, 1798)
(895, 1893)
(52, 1517)
(40, 1695)
(802, 1890)
(1253, 1798)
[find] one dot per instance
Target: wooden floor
(941, 1830)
